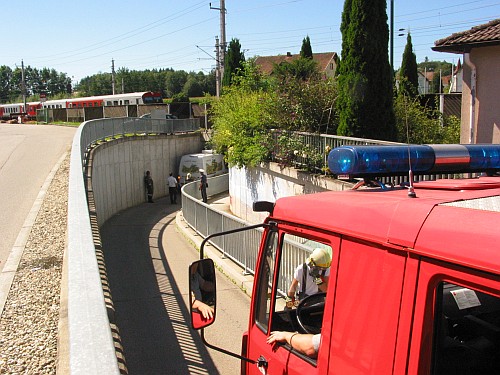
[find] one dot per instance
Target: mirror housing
(263, 206)
(202, 293)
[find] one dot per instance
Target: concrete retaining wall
(269, 182)
(118, 169)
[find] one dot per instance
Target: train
(14, 110)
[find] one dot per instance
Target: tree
(301, 68)
(233, 62)
(437, 85)
(306, 50)
(5, 83)
(175, 81)
(408, 74)
(301, 105)
(365, 101)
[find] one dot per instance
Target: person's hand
(205, 310)
(277, 336)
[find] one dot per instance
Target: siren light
(361, 161)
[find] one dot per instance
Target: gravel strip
(29, 323)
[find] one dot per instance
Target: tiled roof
(487, 34)
(267, 63)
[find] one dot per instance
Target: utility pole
(218, 80)
(222, 45)
(391, 37)
(23, 86)
(113, 75)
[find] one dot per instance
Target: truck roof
(450, 220)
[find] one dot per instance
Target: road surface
(147, 263)
(27, 155)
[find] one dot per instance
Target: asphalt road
(147, 262)
(27, 155)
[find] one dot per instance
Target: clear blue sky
(81, 38)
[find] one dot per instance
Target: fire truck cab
(414, 281)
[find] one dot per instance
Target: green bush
(420, 125)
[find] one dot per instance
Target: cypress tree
(233, 61)
(408, 74)
(306, 50)
(365, 100)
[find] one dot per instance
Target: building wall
(119, 167)
(487, 111)
(269, 183)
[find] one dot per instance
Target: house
(457, 78)
(425, 82)
(480, 48)
(327, 62)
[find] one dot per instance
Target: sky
(82, 38)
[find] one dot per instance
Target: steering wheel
(310, 313)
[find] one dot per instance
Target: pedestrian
(172, 188)
(203, 185)
(148, 181)
(179, 186)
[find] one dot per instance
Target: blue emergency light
(360, 161)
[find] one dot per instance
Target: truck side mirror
(202, 294)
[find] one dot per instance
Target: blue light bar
(484, 156)
(359, 161)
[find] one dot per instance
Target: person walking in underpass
(203, 185)
(172, 188)
(148, 181)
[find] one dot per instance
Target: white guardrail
(91, 346)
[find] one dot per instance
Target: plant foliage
(408, 74)
(365, 99)
(233, 62)
(417, 124)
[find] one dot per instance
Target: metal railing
(91, 345)
(243, 247)
(320, 143)
(98, 130)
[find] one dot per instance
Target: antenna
(411, 189)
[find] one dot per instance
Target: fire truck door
(277, 302)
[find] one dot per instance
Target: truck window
(466, 331)
(287, 254)
(265, 281)
(299, 300)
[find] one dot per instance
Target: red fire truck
(414, 282)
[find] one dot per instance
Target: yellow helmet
(319, 258)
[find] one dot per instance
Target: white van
(213, 164)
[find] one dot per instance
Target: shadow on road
(149, 284)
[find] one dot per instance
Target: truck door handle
(262, 362)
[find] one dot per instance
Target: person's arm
(293, 288)
(204, 309)
(303, 343)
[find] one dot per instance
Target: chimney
(288, 54)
